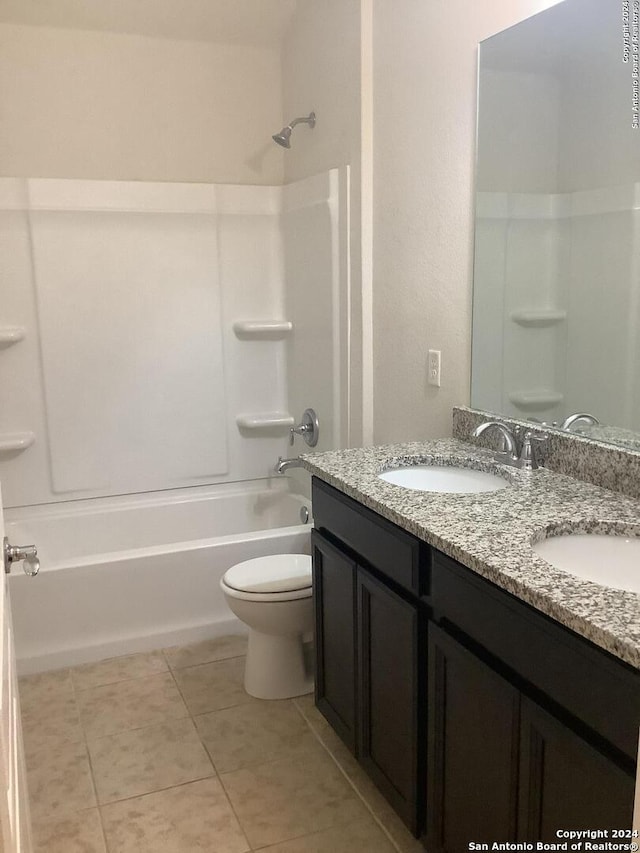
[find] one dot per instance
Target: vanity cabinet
(370, 646)
(501, 768)
(472, 749)
(479, 718)
(563, 779)
(334, 585)
(388, 666)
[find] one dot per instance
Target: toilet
(272, 596)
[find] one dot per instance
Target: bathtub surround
(578, 456)
(131, 374)
(214, 767)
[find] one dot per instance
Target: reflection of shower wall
(602, 353)
(130, 375)
(558, 311)
(519, 317)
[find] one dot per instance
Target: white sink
(610, 560)
(443, 478)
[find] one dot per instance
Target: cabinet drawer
(591, 685)
(376, 541)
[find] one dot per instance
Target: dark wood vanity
(479, 718)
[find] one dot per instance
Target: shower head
(284, 137)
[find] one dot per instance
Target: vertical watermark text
(631, 53)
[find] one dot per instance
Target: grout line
(350, 781)
(216, 775)
(210, 757)
(88, 752)
(157, 791)
(204, 746)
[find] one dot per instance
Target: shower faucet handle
(308, 428)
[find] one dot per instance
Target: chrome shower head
(284, 137)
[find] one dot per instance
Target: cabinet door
(472, 749)
(388, 666)
(565, 783)
(334, 586)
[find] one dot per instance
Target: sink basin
(443, 478)
(609, 560)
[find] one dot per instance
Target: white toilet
(272, 595)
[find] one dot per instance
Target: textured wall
(79, 104)
(425, 56)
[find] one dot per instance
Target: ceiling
(261, 23)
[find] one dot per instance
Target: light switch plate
(435, 358)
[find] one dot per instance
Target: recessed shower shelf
(262, 329)
(535, 401)
(265, 421)
(539, 319)
(16, 441)
(11, 335)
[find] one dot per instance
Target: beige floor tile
(372, 797)
(287, 799)
(50, 720)
(255, 734)
(400, 835)
(194, 818)
(207, 651)
(79, 833)
(42, 688)
(59, 779)
(48, 709)
(213, 686)
(128, 705)
(145, 760)
(364, 836)
(117, 669)
(306, 706)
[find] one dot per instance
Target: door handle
(17, 553)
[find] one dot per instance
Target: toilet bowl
(272, 596)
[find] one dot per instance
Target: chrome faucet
(283, 465)
(509, 441)
(567, 423)
(520, 453)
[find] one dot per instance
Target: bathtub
(134, 573)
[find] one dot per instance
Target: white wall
(321, 72)
(425, 56)
(97, 105)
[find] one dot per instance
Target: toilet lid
(279, 573)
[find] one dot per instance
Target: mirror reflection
(556, 311)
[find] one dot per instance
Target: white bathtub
(120, 575)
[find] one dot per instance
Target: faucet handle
(308, 428)
(531, 450)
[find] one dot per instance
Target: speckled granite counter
(491, 532)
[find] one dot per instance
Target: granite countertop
(491, 532)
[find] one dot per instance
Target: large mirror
(556, 316)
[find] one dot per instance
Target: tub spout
(283, 465)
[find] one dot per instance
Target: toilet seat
(281, 577)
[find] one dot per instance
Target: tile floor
(164, 752)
